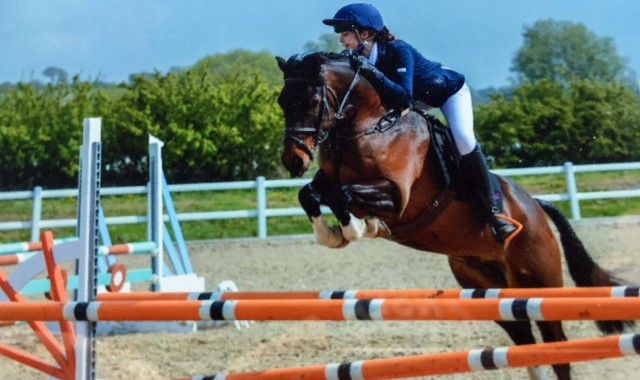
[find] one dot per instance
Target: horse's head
(314, 99)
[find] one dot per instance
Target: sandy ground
(300, 264)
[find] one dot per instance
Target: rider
(401, 74)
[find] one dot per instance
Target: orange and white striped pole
(507, 309)
(454, 362)
(616, 291)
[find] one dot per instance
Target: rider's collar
(373, 55)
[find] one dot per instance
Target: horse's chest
(348, 166)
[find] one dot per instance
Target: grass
(186, 202)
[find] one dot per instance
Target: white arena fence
(261, 185)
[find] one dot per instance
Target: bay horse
(380, 176)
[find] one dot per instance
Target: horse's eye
(315, 100)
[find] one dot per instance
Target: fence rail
(262, 185)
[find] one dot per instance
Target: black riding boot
(476, 173)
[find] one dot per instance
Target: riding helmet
(356, 16)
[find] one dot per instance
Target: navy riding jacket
(405, 74)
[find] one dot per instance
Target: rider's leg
(459, 113)
(476, 172)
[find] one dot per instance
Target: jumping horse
(381, 176)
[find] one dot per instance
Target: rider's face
(349, 40)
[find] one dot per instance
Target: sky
(112, 39)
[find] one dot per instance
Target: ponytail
(384, 36)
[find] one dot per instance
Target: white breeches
(458, 111)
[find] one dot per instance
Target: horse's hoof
(376, 228)
(334, 243)
(333, 239)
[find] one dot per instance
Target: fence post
(572, 190)
(36, 214)
(88, 206)
(155, 221)
(262, 206)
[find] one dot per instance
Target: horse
(381, 176)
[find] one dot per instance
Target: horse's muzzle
(294, 164)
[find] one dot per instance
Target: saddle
(447, 161)
(447, 157)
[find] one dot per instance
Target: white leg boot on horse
(369, 227)
(355, 229)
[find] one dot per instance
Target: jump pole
(454, 362)
(35, 248)
(505, 309)
(616, 291)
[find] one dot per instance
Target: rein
(321, 134)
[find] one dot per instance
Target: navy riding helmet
(356, 16)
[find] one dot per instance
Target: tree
(221, 127)
(527, 129)
(544, 123)
(326, 42)
(41, 131)
(606, 123)
(239, 60)
(565, 51)
(55, 74)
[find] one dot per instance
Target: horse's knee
(379, 196)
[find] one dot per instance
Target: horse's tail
(583, 269)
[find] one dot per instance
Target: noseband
(320, 134)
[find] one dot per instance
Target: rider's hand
(347, 53)
(361, 62)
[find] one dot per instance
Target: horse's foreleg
(369, 227)
(330, 236)
(351, 227)
(378, 197)
(374, 196)
(376, 228)
(326, 235)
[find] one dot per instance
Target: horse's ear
(315, 63)
(282, 64)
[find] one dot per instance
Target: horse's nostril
(296, 169)
(294, 164)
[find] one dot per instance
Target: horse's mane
(308, 65)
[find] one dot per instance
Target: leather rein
(320, 134)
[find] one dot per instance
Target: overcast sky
(115, 38)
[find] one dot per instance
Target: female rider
(401, 74)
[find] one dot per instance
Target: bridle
(320, 134)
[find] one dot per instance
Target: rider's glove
(366, 68)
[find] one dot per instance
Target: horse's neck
(369, 104)
(363, 97)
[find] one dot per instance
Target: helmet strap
(361, 40)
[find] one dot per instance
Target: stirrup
(510, 235)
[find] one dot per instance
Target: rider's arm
(395, 82)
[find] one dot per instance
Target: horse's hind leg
(472, 273)
(521, 333)
(544, 271)
(552, 332)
